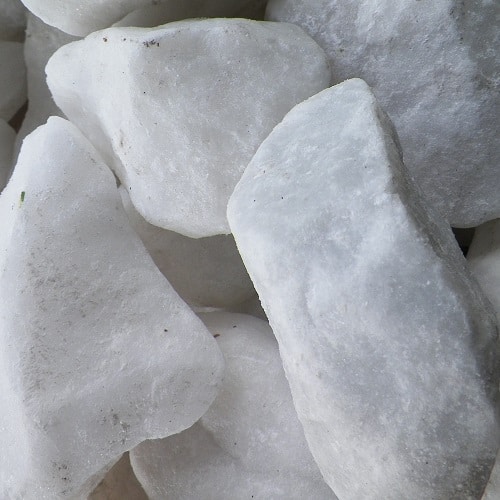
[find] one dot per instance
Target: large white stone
(389, 346)
(167, 12)
(205, 272)
(7, 137)
(435, 68)
(12, 79)
(250, 443)
(98, 352)
(178, 111)
(41, 42)
(12, 20)
(484, 261)
(81, 17)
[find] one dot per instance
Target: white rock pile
(227, 266)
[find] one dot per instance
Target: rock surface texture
(189, 105)
(205, 272)
(435, 68)
(98, 352)
(388, 345)
(250, 443)
(12, 79)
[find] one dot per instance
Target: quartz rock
(81, 17)
(12, 20)
(250, 443)
(162, 13)
(41, 42)
(389, 346)
(205, 272)
(188, 106)
(434, 67)
(7, 137)
(98, 352)
(12, 79)
(484, 261)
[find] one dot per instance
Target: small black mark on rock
(104, 39)
(216, 335)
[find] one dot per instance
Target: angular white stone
(97, 351)
(12, 79)
(41, 42)
(484, 261)
(7, 137)
(205, 272)
(81, 17)
(178, 111)
(12, 20)
(435, 68)
(387, 343)
(250, 443)
(167, 12)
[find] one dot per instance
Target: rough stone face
(492, 491)
(484, 261)
(41, 42)
(81, 17)
(389, 346)
(205, 272)
(250, 443)
(12, 20)
(98, 352)
(435, 68)
(12, 79)
(188, 105)
(7, 137)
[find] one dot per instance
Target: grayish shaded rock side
(98, 352)
(12, 79)
(12, 20)
(388, 344)
(7, 137)
(435, 68)
(205, 272)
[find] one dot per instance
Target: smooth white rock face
(250, 443)
(81, 17)
(12, 20)
(178, 111)
(484, 261)
(435, 68)
(205, 272)
(12, 79)
(41, 42)
(98, 352)
(167, 12)
(388, 345)
(7, 137)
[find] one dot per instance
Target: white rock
(387, 343)
(205, 272)
(250, 443)
(98, 352)
(12, 79)
(12, 20)
(167, 12)
(484, 261)
(81, 17)
(7, 137)
(178, 111)
(434, 66)
(41, 42)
